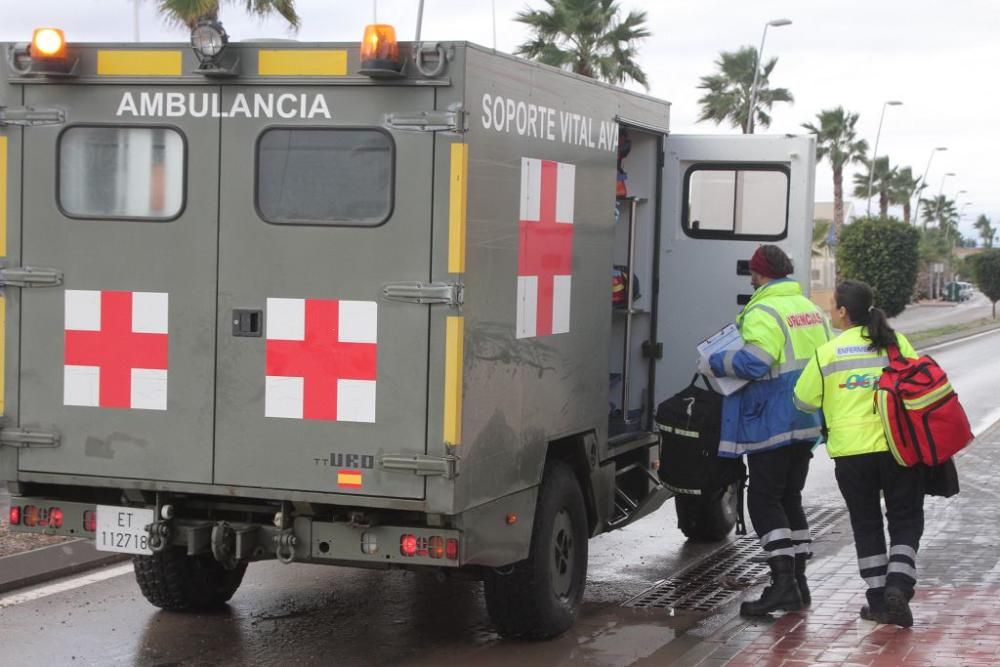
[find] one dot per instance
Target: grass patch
(937, 332)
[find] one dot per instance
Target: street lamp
(923, 181)
(871, 166)
(777, 23)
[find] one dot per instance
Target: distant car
(965, 291)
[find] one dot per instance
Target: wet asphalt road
(313, 615)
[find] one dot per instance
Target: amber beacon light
(48, 43)
(380, 51)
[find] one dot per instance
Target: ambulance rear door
(118, 361)
(321, 207)
(723, 196)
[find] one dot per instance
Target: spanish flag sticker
(349, 479)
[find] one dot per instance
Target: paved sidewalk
(956, 608)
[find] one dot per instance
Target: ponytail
(857, 298)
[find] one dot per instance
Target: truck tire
(707, 518)
(539, 598)
(174, 581)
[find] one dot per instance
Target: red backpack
(921, 415)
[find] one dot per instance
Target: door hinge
(452, 294)
(32, 116)
(421, 464)
(25, 438)
(30, 276)
(652, 350)
(449, 120)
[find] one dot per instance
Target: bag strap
(894, 353)
(822, 398)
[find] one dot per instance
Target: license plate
(123, 529)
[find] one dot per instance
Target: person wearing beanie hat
(781, 330)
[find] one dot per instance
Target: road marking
(940, 346)
(64, 585)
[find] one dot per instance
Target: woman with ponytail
(841, 379)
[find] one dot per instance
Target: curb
(51, 562)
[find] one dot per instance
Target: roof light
(380, 52)
(48, 43)
(208, 38)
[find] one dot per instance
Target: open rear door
(722, 197)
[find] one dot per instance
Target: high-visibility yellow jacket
(780, 329)
(841, 379)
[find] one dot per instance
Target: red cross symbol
(321, 359)
(116, 349)
(546, 246)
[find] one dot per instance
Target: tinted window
(121, 172)
(736, 201)
(325, 176)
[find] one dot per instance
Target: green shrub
(986, 271)
(883, 253)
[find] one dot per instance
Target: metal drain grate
(719, 577)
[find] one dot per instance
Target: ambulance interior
(632, 312)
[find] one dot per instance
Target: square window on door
(321, 176)
(736, 201)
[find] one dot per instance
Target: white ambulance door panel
(723, 196)
(318, 375)
(117, 360)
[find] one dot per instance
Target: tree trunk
(906, 211)
(883, 204)
(838, 201)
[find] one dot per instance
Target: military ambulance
(351, 304)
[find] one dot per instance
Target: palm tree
(902, 189)
(986, 230)
(837, 141)
(881, 183)
(189, 12)
(587, 37)
(728, 96)
(940, 210)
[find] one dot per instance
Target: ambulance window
(121, 172)
(320, 176)
(736, 201)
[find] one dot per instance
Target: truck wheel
(174, 581)
(707, 518)
(538, 598)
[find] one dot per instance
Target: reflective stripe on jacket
(781, 329)
(840, 378)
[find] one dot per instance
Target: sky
(938, 57)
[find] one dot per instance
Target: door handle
(248, 323)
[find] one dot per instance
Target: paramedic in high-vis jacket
(841, 380)
(781, 330)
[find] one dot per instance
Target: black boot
(800, 578)
(898, 602)
(783, 593)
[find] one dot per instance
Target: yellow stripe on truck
(3, 253)
(453, 359)
(457, 207)
(139, 63)
(296, 62)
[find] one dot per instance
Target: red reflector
(435, 548)
(90, 520)
(30, 516)
(55, 517)
(451, 549)
(15, 516)
(408, 545)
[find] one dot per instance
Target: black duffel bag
(690, 425)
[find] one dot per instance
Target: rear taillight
(435, 547)
(31, 516)
(55, 517)
(408, 545)
(451, 549)
(15, 515)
